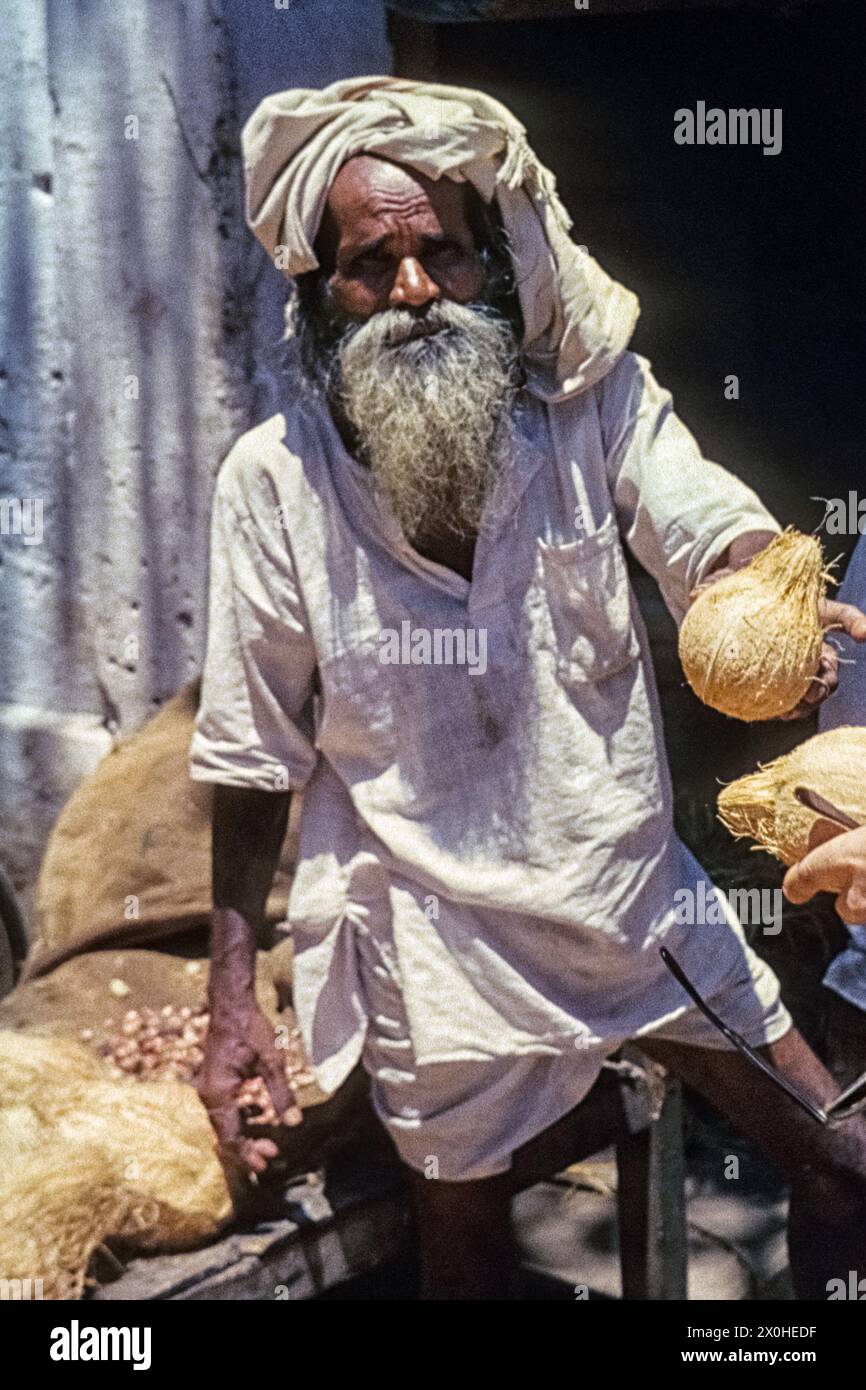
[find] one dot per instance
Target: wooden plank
(651, 1204)
(357, 1218)
(329, 1232)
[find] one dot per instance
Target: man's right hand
(242, 1044)
(248, 829)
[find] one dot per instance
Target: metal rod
(740, 1043)
(822, 807)
(852, 1099)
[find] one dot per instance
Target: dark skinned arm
(843, 617)
(248, 828)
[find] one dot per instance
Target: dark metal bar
(822, 807)
(798, 1096)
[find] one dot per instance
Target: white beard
(433, 413)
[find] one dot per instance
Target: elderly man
(421, 616)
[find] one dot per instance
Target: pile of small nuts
(168, 1044)
(254, 1101)
(154, 1044)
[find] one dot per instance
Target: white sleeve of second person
(255, 724)
(677, 511)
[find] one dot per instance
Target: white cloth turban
(578, 320)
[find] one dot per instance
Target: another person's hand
(241, 1044)
(838, 865)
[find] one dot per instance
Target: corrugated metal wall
(139, 318)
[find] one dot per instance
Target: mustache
(418, 334)
(322, 331)
(404, 326)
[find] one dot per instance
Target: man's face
(408, 327)
(392, 239)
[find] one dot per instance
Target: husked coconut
(764, 806)
(750, 644)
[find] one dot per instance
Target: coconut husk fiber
(764, 805)
(138, 827)
(86, 1159)
(128, 860)
(750, 645)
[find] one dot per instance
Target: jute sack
(129, 858)
(95, 989)
(92, 992)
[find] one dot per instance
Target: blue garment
(846, 975)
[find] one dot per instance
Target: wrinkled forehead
(371, 194)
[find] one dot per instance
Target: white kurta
(501, 839)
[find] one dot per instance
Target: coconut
(764, 807)
(750, 644)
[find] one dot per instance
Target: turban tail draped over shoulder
(578, 320)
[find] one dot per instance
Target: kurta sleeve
(255, 722)
(677, 511)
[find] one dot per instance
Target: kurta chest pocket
(586, 592)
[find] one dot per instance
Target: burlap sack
(129, 858)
